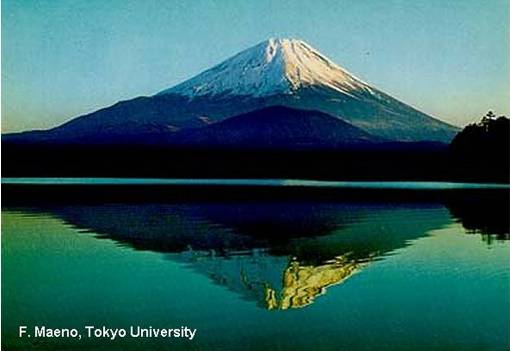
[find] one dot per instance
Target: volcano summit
(275, 66)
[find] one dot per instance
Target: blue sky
(63, 58)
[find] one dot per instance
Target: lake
(387, 266)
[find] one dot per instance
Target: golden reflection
(302, 284)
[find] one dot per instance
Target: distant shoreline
(135, 161)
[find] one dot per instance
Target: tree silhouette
(482, 148)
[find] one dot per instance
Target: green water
(257, 276)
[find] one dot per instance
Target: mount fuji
(294, 91)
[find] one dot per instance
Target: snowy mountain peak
(274, 66)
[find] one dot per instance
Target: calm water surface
(255, 275)
(255, 182)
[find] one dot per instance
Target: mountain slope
(275, 72)
(275, 127)
(278, 127)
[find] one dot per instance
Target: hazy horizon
(65, 59)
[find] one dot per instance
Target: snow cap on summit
(274, 66)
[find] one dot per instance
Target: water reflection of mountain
(306, 230)
(282, 255)
(275, 282)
